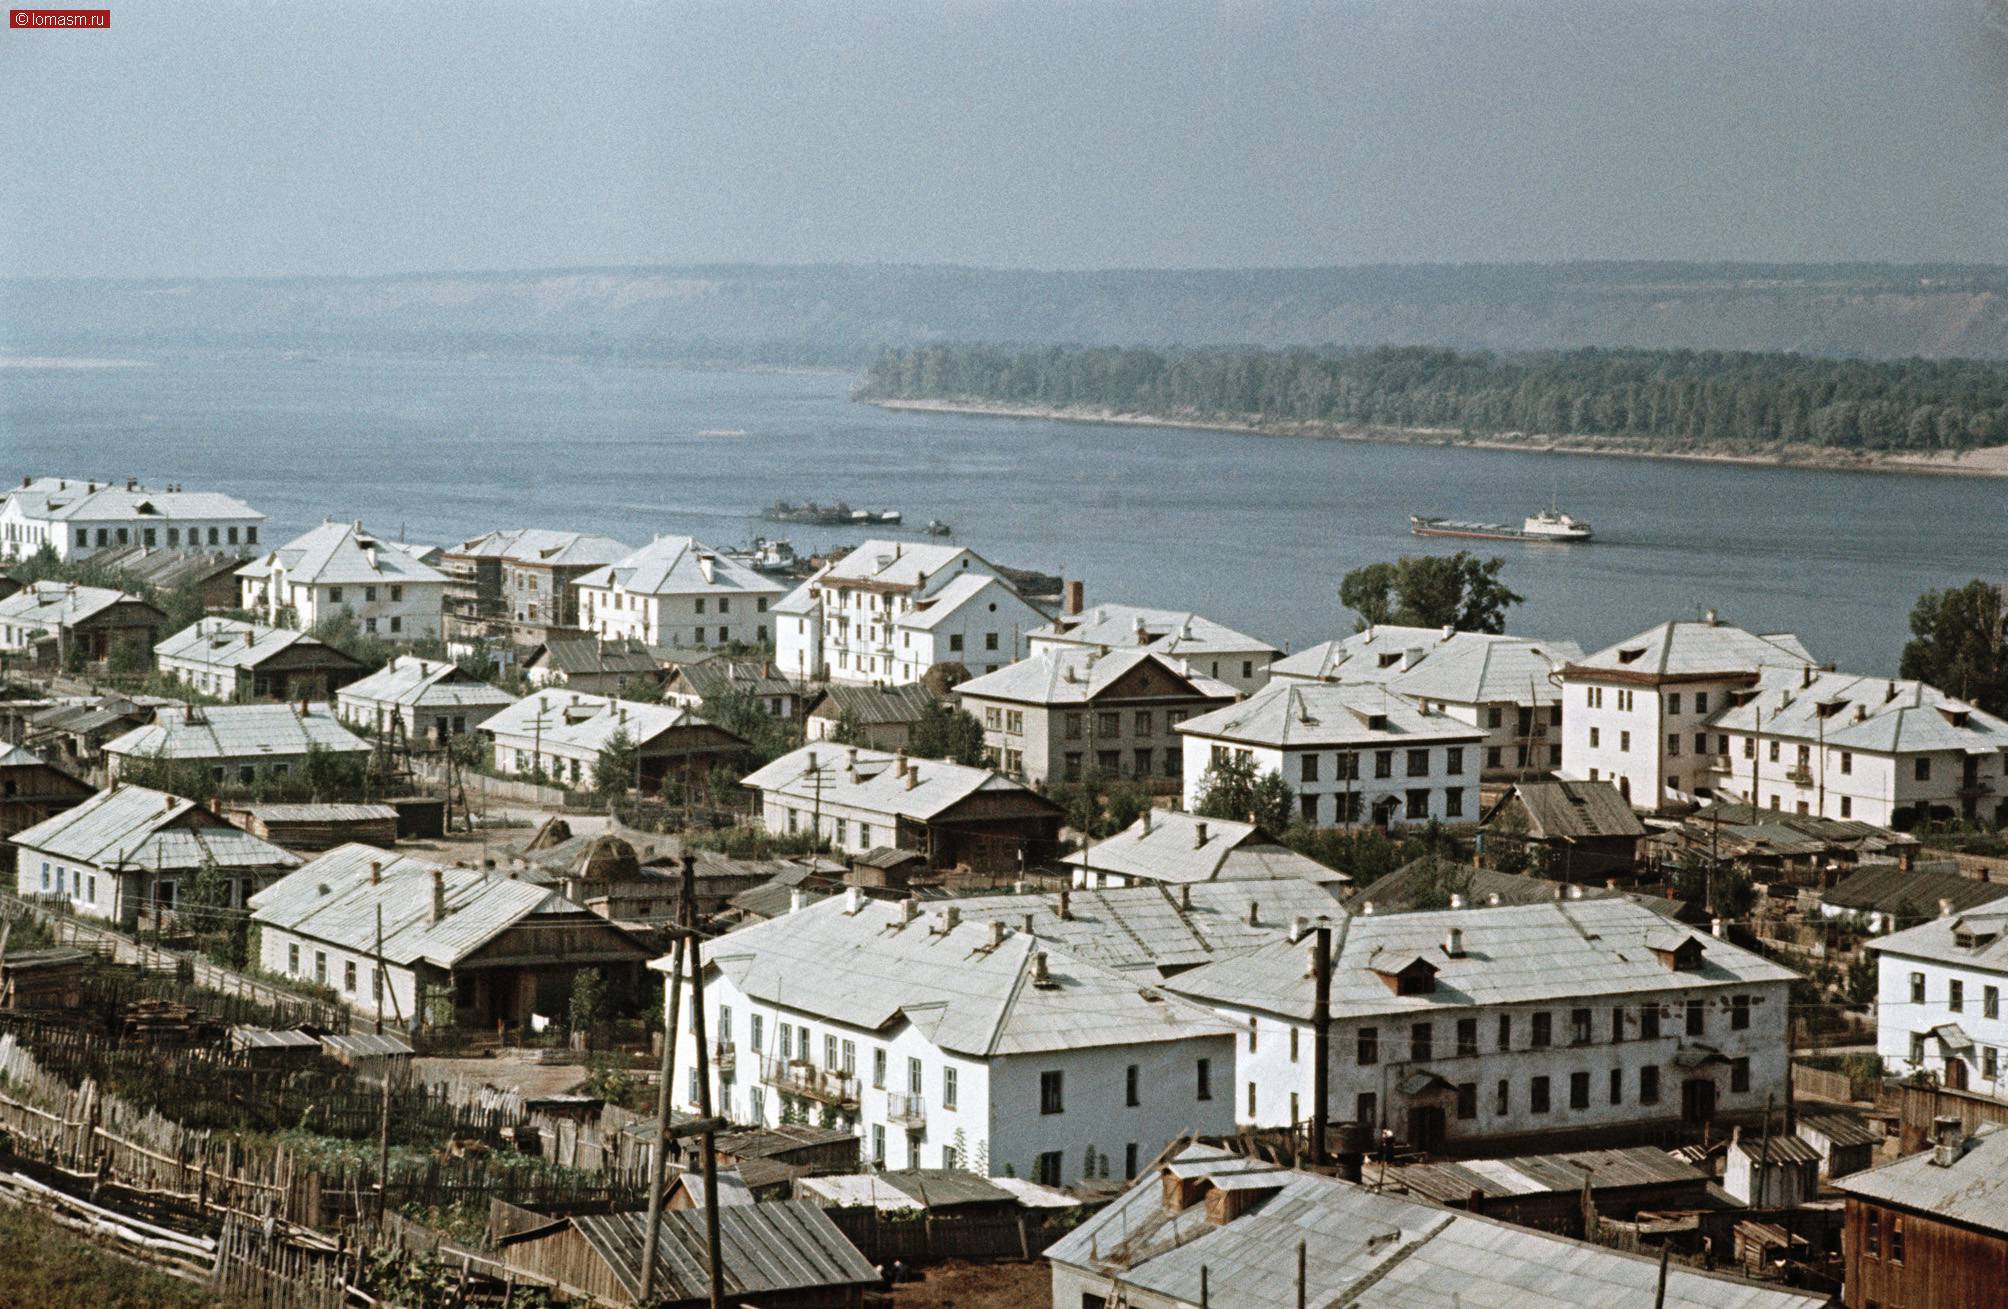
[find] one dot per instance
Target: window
(1697, 1017)
(1701, 743)
(1617, 1086)
(369, 624)
(397, 623)
(1595, 738)
(1579, 1027)
(1251, 1101)
(1453, 802)
(1917, 988)
(1383, 763)
(1047, 1171)
(1051, 1101)
(1872, 1234)
(1502, 1098)
(1847, 806)
(1418, 763)
(1467, 1036)
(334, 595)
(829, 1052)
(1847, 761)
(948, 1088)
(955, 642)
(1923, 775)
(1369, 1046)
(1141, 722)
(369, 595)
(1492, 757)
(1955, 995)
(1896, 1230)
(1673, 703)
(1544, 1030)
(878, 1065)
(1990, 1062)
(1129, 1172)
(1251, 1033)
(1420, 1042)
(1307, 804)
(1538, 1096)
(878, 1143)
(1293, 1045)
(397, 592)
(1073, 725)
(1739, 1074)
(1739, 1012)
(1617, 1024)
(1204, 1070)
(1990, 1002)
(1418, 805)
(1308, 769)
(1648, 1086)
(1366, 1107)
(913, 1077)
(1624, 741)
(292, 951)
(321, 967)
(1579, 1090)
(757, 1030)
(1467, 1099)
(349, 975)
(1673, 745)
(1505, 1031)
(1917, 1047)
(1130, 1087)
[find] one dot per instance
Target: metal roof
(1973, 1188)
(679, 565)
(726, 674)
(1871, 714)
(1503, 669)
(51, 605)
(69, 498)
(1562, 809)
(1075, 676)
(1889, 888)
(263, 1038)
(582, 723)
(1178, 633)
(1972, 938)
(893, 1190)
(873, 705)
(860, 962)
(343, 554)
(1303, 715)
(822, 771)
(1695, 649)
(1166, 846)
(238, 732)
(366, 1045)
(320, 813)
(1372, 1250)
(785, 1245)
(1511, 955)
(137, 828)
(408, 681)
(1453, 1181)
(538, 545)
(233, 643)
(1432, 875)
(583, 653)
(1841, 1128)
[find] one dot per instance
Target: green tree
(129, 657)
(341, 630)
(848, 731)
(587, 1004)
(745, 715)
(1957, 644)
(1459, 591)
(1233, 788)
(614, 769)
(945, 732)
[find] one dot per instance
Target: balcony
(908, 1111)
(1799, 773)
(800, 1077)
(723, 1057)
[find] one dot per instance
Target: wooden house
(1930, 1231)
(318, 826)
(31, 790)
(1845, 1142)
(1573, 831)
(42, 979)
(58, 622)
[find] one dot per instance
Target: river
(1252, 530)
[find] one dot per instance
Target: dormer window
(1682, 955)
(1631, 656)
(1377, 722)
(1407, 975)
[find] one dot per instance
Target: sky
(233, 138)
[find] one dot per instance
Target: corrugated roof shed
(135, 827)
(1452, 1181)
(1891, 888)
(873, 705)
(785, 1245)
(621, 657)
(1973, 1188)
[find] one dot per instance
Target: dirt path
(978, 1286)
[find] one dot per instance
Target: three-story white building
(76, 517)
(676, 591)
(946, 1044)
(1191, 642)
(342, 566)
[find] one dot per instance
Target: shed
(1777, 1172)
(42, 979)
(1546, 1191)
(319, 826)
(886, 866)
(1580, 831)
(266, 1048)
(687, 1190)
(783, 1255)
(419, 817)
(1846, 1142)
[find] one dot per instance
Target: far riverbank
(1989, 461)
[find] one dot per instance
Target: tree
(945, 732)
(341, 630)
(1957, 644)
(588, 1002)
(1459, 591)
(614, 769)
(1232, 788)
(848, 731)
(745, 715)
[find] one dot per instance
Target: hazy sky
(312, 136)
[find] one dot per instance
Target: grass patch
(51, 1267)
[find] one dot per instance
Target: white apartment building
(1873, 749)
(947, 1044)
(1373, 654)
(1938, 999)
(676, 591)
(559, 734)
(76, 517)
(1192, 642)
(341, 566)
(890, 610)
(1638, 714)
(1504, 1024)
(1352, 754)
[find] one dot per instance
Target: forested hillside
(1742, 400)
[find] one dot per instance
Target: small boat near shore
(1549, 525)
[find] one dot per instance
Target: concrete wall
(1897, 1018)
(1452, 796)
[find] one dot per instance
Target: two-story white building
(947, 1044)
(559, 734)
(77, 516)
(428, 700)
(676, 591)
(890, 610)
(1874, 749)
(233, 659)
(341, 566)
(1192, 642)
(1639, 713)
(1938, 999)
(1352, 754)
(1504, 1024)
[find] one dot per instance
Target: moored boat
(1547, 525)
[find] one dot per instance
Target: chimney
(1077, 598)
(1040, 977)
(438, 894)
(951, 918)
(1944, 908)
(997, 930)
(1575, 892)
(249, 637)
(1254, 913)
(909, 909)
(812, 761)
(797, 899)
(854, 900)
(1805, 677)
(1028, 924)
(1185, 896)
(912, 777)
(1493, 900)
(899, 763)
(1710, 618)
(1066, 906)
(1311, 959)
(1453, 943)
(1298, 926)
(1198, 835)
(376, 873)
(1948, 1141)
(1456, 901)
(1560, 890)
(1718, 929)
(1146, 822)
(1366, 907)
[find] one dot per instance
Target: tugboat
(935, 527)
(1548, 525)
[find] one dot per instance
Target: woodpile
(163, 1022)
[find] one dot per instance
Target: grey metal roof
(166, 568)
(1511, 955)
(1167, 846)
(621, 656)
(321, 813)
(366, 1045)
(1177, 633)
(732, 1188)
(95, 499)
(1561, 809)
(1972, 1189)
(581, 722)
(538, 545)
(894, 1189)
(233, 643)
(1890, 888)
(237, 732)
(1076, 676)
(1841, 1127)
(930, 787)
(1971, 938)
(680, 565)
(858, 961)
(784, 1245)
(1453, 1181)
(873, 705)
(1500, 670)
(1871, 714)
(409, 681)
(50, 605)
(1304, 715)
(343, 554)
(1372, 1250)
(727, 674)
(264, 1038)
(1401, 890)
(1696, 649)
(135, 827)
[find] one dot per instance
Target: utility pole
(658, 1155)
(709, 1136)
(1321, 1046)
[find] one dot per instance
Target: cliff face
(845, 314)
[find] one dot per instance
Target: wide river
(1254, 531)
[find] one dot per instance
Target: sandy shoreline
(1991, 461)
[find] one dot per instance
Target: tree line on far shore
(1672, 397)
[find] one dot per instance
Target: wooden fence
(1829, 1084)
(930, 1240)
(258, 1267)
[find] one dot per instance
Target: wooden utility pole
(658, 1156)
(1321, 1046)
(710, 1133)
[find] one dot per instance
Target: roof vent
(997, 931)
(1185, 896)
(1453, 943)
(1492, 899)
(1948, 1141)
(1366, 907)
(1146, 822)
(1298, 926)
(798, 899)
(376, 872)
(438, 894)
(1254, 913)
(951, 918)
(1311, 959)
(1944, 907)
(1066, 910)
(1041, 977)
(909, 909)
(1456, 901)
(1198, 835)
(854, 900)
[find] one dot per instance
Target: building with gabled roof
(61, 620)
(128, 848)
(1886, 896)
(236, 660)
(78, 516)
(954, 1045)
(1070, 710)
(237, 742)
(1577, 831)
(1191, 642)
(592, 663)
(1930, 1230)
(883, 716)
(678, 591)
(212, 574)
(559, 734)
(459, 946)
(858, 799)
(1466, 1029)
(888, 611)
(523, 577)
(1938, 998)
(1433, 882)
(1169, 847)
(1211, 1226)
(690, 685)
(31, 790)
(1352, 754)
(343, 566)
(1640, 712)
(429, 700)
(1873, 749)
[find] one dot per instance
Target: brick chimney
(1076, 598)
(438, 894)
